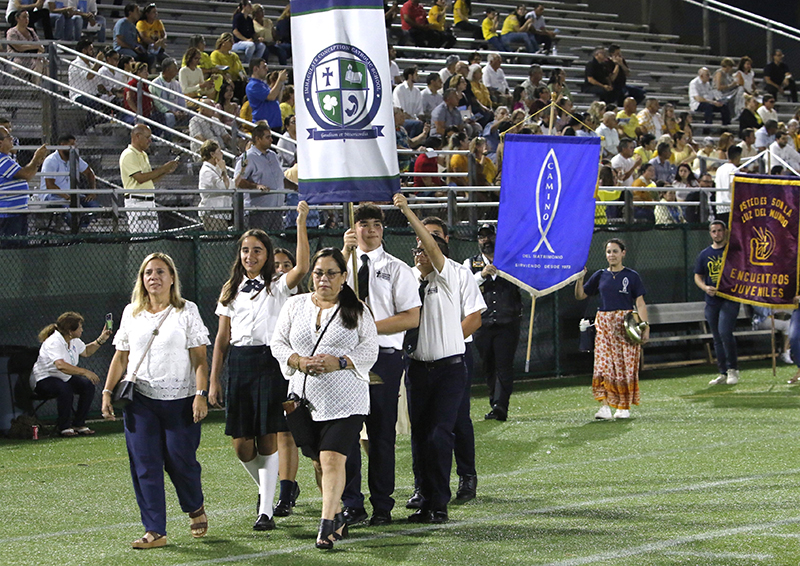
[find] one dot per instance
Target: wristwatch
(342, 363)
(201, 393)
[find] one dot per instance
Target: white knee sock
(253, 466)
(268, 479)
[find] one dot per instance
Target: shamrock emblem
(329, 103)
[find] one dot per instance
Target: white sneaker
(622, 414)
(721, 378)
(733, 377)
(786, 357)
(604, 413)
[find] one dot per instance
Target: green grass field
(700, 475)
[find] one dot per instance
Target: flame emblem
(761, 246)
(548, 193)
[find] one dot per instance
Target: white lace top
(337, 394)
(166, 373)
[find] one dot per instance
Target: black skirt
(256, 391)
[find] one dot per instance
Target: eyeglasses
(418, 251)
(330, 274)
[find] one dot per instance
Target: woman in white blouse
(248, 309)
(162, 423)
(56, 373)
(214, 188)
(333, 377)
(192, 79)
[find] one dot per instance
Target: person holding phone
(56, 373)
(248, 309)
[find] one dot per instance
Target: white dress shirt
(788, 154)
(409, 98)
(472, 300)
(254, 314)
(440, 334)
(392, 289)
(495, 79)
(723, 180)
(624, 164)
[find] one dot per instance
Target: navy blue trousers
(721, 316)
(434, 397)
(497, 344)
(161, 435)
(64, 392)
(381, 423)
(464, 442)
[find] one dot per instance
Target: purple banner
(760, 261)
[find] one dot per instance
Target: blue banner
(546, 217)
(341, 68)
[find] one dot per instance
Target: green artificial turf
(701, 475)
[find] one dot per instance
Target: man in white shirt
(765, 135)
(625, 164)
(539, 30)
(702, 98)
(409, 98)
(58, 162)
(91, 21)
(749, 148)
(437, 372)
(495, 80)
(534, 79)
(84, 78)
(783, 148)
(164, 99)
(387, 286)
(723, 180)
(394, 68)
(767, 109)
(431, 95)
(608, 130)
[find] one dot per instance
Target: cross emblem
(327, 74)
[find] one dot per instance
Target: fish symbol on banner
(546, 201)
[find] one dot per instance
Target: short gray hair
(492, 56)
(472, 70)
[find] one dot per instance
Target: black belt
(448, 361)
(387, 350)
(139, 197)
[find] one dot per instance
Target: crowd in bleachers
(457, 122)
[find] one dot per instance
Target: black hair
(437, 221)
(662, 148)
(368, 212)
(254, 63)
(734, 152)
(432, 77)
(231, 287)
(130, 8)
(644, 166)
(147, 9)
(123, 60)
(409, 72)
(287, 121)
(350, 307)
(83, 44)
(443, 247)
(720, 222)
(261, 130)
(285, 252)
(64, 139)
(433, 142)
(646, 139)
(617, 241)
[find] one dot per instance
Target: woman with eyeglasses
(248, 309)
(326, 342)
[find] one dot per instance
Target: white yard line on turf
(719, 555)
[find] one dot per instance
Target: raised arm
(426, 239)
(302, 252)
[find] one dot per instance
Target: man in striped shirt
(15, 178)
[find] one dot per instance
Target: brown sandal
(794, 380)
(199, 528)
(150, 540)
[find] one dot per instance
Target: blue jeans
(517, 37)
(497, 44)
(794, 336)
(68, 29)
(248, 49)
(721, 317)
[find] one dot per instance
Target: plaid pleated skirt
(616, 362)
(256, 391)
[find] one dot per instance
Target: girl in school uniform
(248, 308)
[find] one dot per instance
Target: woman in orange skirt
(615, 380)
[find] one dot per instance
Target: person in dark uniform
(498, 335)
(720, 313)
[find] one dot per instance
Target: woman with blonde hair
(161, 346)
(56, 373)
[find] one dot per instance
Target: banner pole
(353, 256)
(530, 335)
(772, 340)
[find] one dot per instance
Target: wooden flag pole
(772, 338)
(530, 335)
(353, 255)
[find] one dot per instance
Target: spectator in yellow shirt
(462, 10)
(229, 64)
(515, 30)
(436, 21)
(489, 29)
(627, 120)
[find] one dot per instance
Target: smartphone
(110, 321)
(177, 159)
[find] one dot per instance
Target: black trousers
(434, 396)
(464, 447)
(497, 344)
(381, 423)
(790, 90)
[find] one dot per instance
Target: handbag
(298, 412)
(587, 331)
(123, 392)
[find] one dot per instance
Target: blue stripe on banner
(546, 216)
(349, 190)
(302, 6)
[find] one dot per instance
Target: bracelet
(99, 343)
(107, 391)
